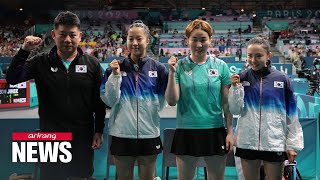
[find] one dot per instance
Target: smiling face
(257, 56)
(137, 42)
(67, 39)
(199, 42)
(198, 34)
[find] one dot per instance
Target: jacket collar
(53, 54)
(141, 61)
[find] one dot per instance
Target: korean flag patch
(153, 74)
(278, 84)
(81, 68)
(22, 85)
(213, 72)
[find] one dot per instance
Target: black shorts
(199, 142)
(135, 147)
(269, 156)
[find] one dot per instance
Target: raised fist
(31, 42)
(115, 67)
(235, 79)
(173, 63)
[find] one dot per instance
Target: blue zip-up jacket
(267, 109)
(136, 97)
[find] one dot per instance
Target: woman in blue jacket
(268, 128)
(135, 90)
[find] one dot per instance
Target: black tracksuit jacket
(69, 100)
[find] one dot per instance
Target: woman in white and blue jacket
(134, 90)
(268, 128)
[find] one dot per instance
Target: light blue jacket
(267, 109)
(136, 97)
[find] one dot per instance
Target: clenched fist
(235, 79)
(115, 67)
(31, 42)
(173, 63)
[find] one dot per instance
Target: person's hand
(173, 63)
(31, 42)
(235, 79)
(115, 67)
(97, 141)
(291, 155)
(229, 142)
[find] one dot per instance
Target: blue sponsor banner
(286, 68)
(307, 105)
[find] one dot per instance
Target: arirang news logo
(41, 147)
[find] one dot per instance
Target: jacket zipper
(260, 110)
(68, 86)
(137, 78)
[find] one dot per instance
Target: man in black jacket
(68, 87)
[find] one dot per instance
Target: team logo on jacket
(245, 83)
(213, 72)
(153, 74)
(22, 85)
(278, 84)
(81, 68)
(54, 69)
(188, 72)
